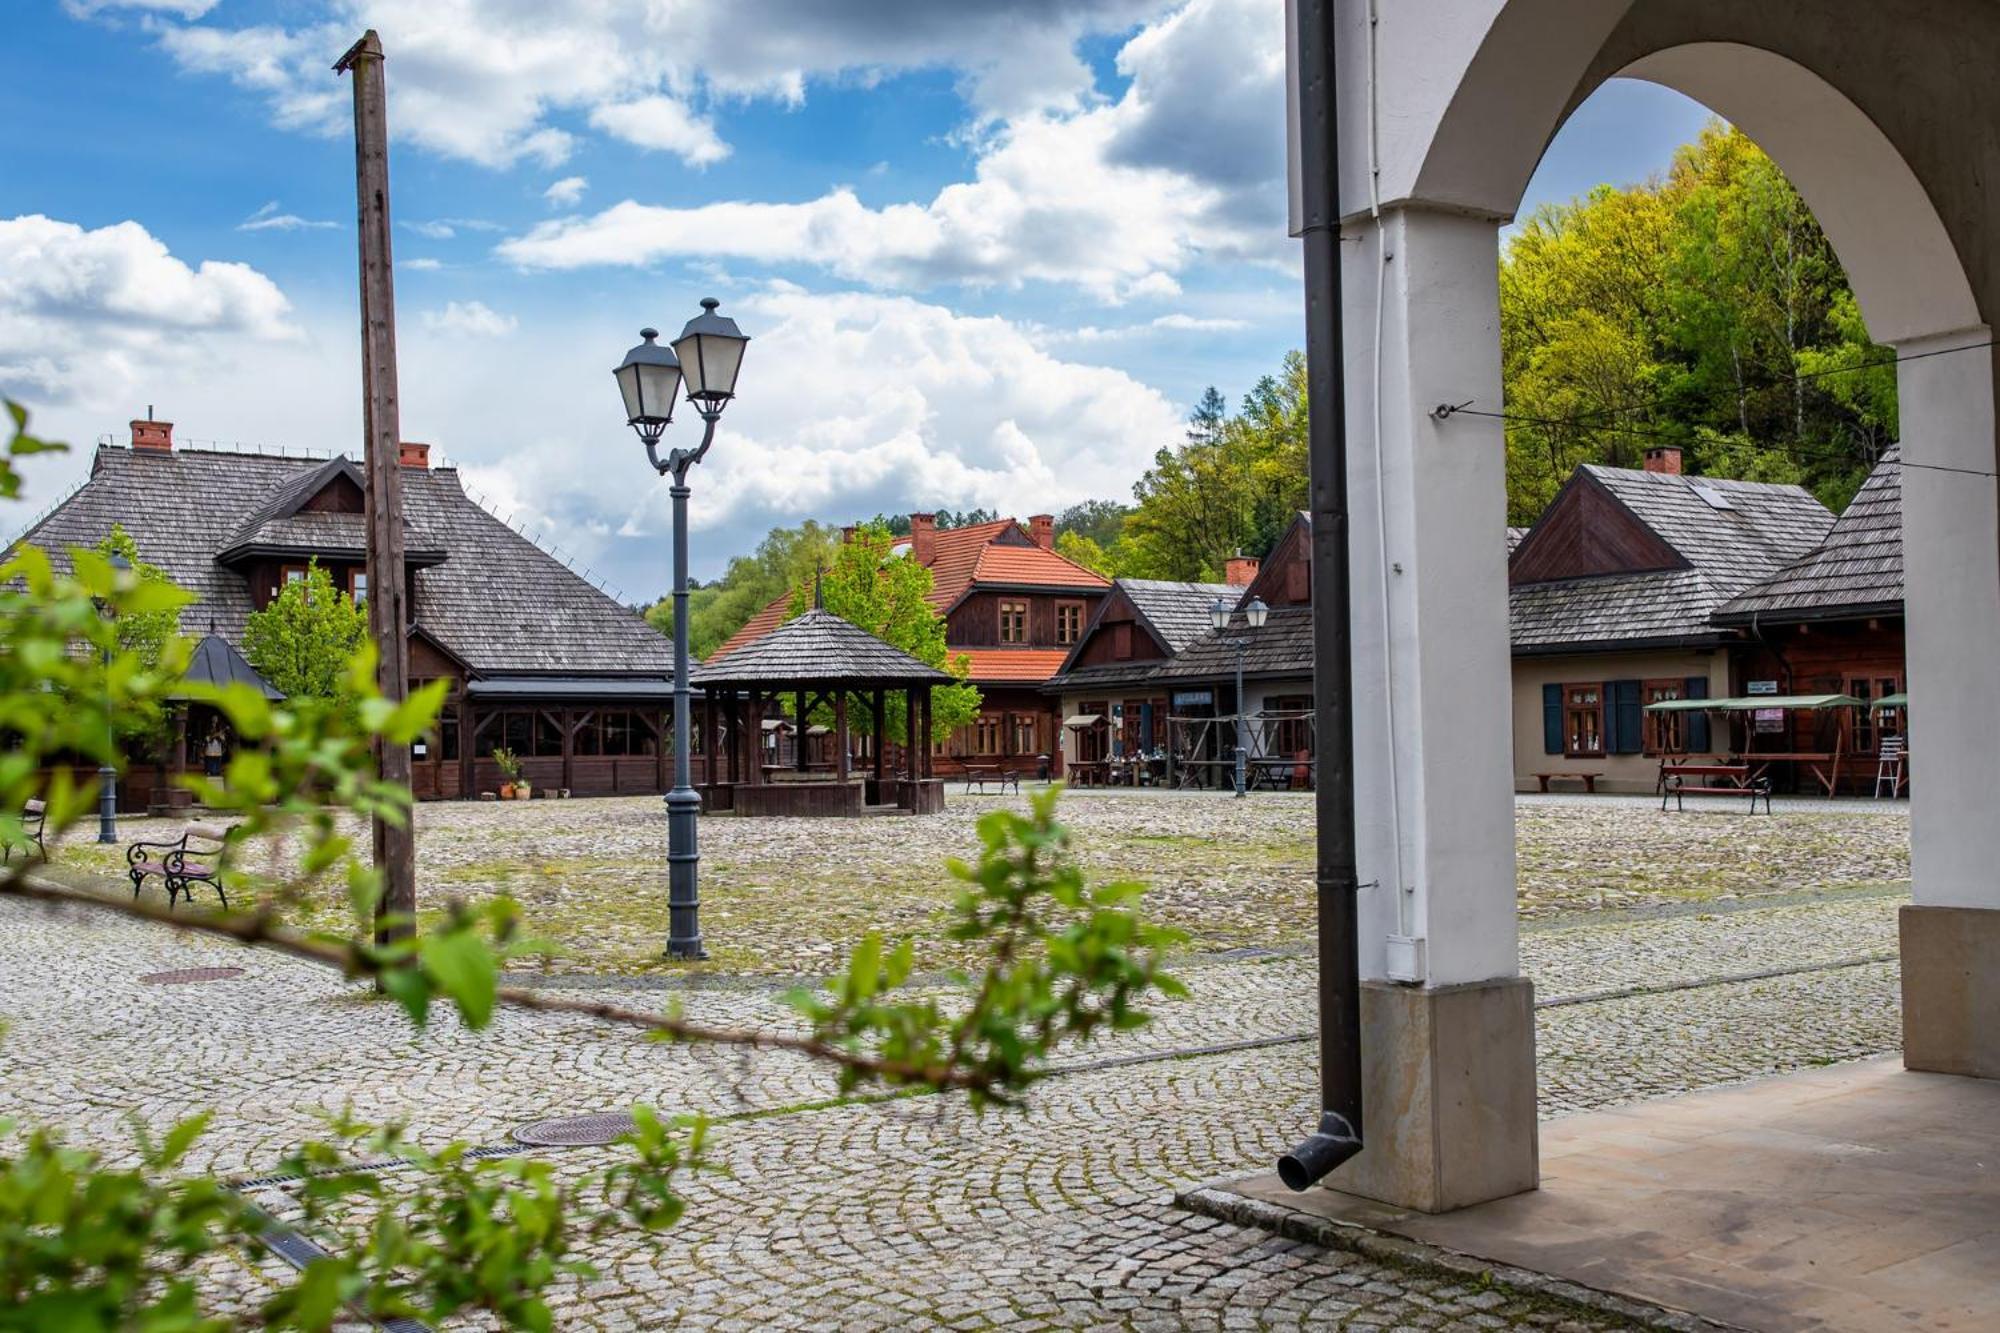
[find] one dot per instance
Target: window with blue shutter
(1552, 719)
(1697, 723)
(1625, 718)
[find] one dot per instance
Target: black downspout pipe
(1338, 1136)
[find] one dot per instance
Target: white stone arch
(1446, 108)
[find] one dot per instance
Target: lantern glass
(649, 381)
(710, 349)
(1256, 613)
(1218, 615)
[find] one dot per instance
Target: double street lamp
(1254, 616)
(704, 359)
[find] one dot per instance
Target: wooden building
(538, 660)
(1014, 608)
(1831, 622)
(1611, 596)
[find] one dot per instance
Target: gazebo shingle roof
(818, 648)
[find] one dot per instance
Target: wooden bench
(1589, 780)
(1682, 780)
(33, 816)
(981, 774)
(193, 858)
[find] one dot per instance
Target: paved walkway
(916, 1213)
(1851, 1199)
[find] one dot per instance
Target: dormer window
(1013, 622)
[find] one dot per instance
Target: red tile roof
(1012, 665)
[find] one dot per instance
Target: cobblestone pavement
(915, 1213)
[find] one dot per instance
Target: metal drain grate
(577, 1131)
(185, 975)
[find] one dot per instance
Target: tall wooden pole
(388, 618)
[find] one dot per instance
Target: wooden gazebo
(815, 660)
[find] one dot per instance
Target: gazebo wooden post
(841, 766)
(754, 754)
(880, 712)
(910, 733)
(926, 733)
(799, 736)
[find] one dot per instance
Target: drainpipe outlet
(1331, 1144)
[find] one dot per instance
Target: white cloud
(433, 231)
(425, 265)
(1180, 322)
(483, 80)
(663, 123)
(566, 191)
(187, 9)
(1116, 199)
(270, 218)
(850, 404)
(86, 314)
(474, 319)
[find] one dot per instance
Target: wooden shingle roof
(1857, 570)
(498, 603)
(1694, 543)
(818, 648)
(1177, 613)
(1282, 649)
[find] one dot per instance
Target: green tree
(145, 636)
(303, 640)
(1099, 520)
(890, 598)
(751, 583)
(1074, 546)
(1705, 308)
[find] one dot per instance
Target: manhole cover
(577, 1131)
(182, 976)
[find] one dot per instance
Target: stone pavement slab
(1860, 1197)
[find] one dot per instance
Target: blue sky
(985, 259)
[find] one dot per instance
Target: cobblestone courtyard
(1668, 952)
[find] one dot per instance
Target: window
(528, 733)
(295, 574)
(1871, 726)
(1291, 724)
(1583, 721)
(986, 735)
(447, 728)
(1024, 735)
(1666, 733)
(1013, 622)
(357, 586)
(1069, 622)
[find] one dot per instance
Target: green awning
(1893, 701)
(1754, 702)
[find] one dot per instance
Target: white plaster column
(1951, 569)
(1950, 934)
(1433, 703)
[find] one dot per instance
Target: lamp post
(1253, 616)
(705, 358)
(107, 772)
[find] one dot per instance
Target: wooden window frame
(1868, 686)
(357, 577)
(1658, 727)
(1069, 622)
(1571, 709)
(989, 734)
(1010, 608)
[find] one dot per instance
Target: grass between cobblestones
(790, 897)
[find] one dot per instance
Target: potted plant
(510, 773)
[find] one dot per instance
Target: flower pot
(524, 791)
(506, 791)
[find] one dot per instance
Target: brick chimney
(411, 454)
(1240, 571)
(923, 537)
(154, 437)
(847, 533)
(1042, 527)
(1664, 458)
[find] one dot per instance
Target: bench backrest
(216, 833)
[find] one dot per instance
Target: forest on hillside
(1704, 308)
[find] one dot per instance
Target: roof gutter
(1337, 1137)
